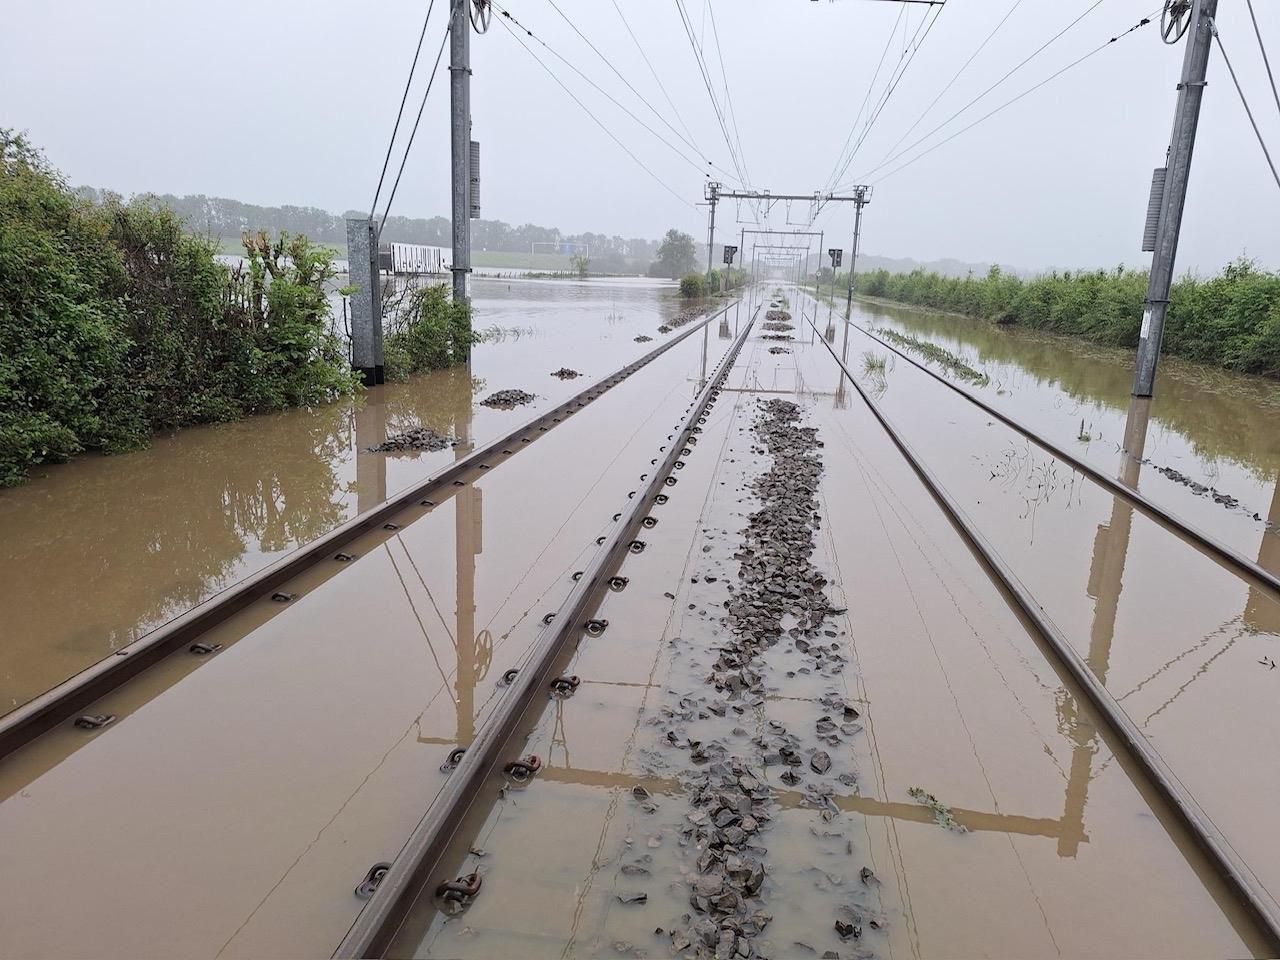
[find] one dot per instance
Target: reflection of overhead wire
(1249, 113)
(412, 606)
(598, 122)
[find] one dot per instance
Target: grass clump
(936, 354)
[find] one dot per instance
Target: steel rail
(1219, 551)
(413, 872)
(23, 724)
(1232, 869)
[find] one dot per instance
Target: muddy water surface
(1037, 840)
(99, 551)
(1210, 431)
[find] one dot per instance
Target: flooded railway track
(419, 901)
(475, 768)
(1222, 554)
(1234, 870)
(279, 584)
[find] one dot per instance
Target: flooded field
(1211, 432)
(98, 551)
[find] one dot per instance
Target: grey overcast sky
(292, 101)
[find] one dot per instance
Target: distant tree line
(224, 218)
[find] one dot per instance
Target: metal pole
(711, 239)
(460, 143)
(1181, 144)
(853, 259)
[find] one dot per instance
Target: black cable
(649, 63)
(609, 63)
(399, 113)
(508, 15)
(662, 183)
(1035, 53)
(1249, 113)
(831, 180)
(1263, 47)
(738, 163)
(951, 82)
(414, 132)
(893, 86)
(1098, 49)
(733, 114)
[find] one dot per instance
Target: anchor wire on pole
(1213, 28)
(1265, 59)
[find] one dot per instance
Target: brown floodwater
(1182, 643)
(97, 552)
(1215, 428)
(1064, 850)
(235, 804)
(240, 798)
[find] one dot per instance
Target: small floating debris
(507, 399)
(421, 438)
(941, 812)
(564, 373)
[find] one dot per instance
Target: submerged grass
(941, 812)
(936, 354)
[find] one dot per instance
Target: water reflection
(1261, 612)
(1221, 415)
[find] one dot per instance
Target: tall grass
(1231, 320)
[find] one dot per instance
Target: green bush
(1231, 320)
(115, 323)
(693, 286)
(426, 330)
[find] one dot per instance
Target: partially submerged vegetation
(935, 354)
(942, 815)
(115, 323)
(425, 329)
(1231, 320)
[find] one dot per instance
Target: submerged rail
(1233, 870)
(415, 871)
(1219, 551)
(61, 703)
